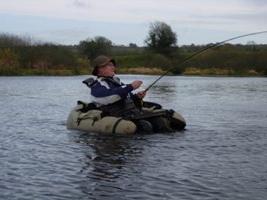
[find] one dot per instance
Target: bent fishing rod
(199, 52)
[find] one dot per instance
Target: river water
(222, 154)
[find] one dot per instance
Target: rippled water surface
(222, 154)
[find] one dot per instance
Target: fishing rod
(199, 52)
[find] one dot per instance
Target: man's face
(108, 70)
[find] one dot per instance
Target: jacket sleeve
(99, 90)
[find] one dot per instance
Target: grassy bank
(190, 71)
(221, 72)
(42, 72)
(141, 70)
(71, 72)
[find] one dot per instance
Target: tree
(161, 38)
(133, 45)
(96, 46)
(8, 40)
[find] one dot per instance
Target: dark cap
(101, 61)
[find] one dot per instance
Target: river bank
(190, 71)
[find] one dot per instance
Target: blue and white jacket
(108, 90)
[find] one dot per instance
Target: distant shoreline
(190, 71)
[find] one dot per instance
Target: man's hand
(141, 94)
(136, 84)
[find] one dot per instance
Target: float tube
(86, 117)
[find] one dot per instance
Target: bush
(157, 60)
(161, 39)
(94, 47)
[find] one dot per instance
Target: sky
(128, 21)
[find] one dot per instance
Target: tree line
(24, 56)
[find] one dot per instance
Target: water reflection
(106, 162)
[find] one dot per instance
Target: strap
(113, 80)
(89, 82)
(115, 125)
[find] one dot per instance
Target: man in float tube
(107, 88)
(112, 96)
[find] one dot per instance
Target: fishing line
(199, 52)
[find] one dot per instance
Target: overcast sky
(127, 21)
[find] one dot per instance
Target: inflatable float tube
(95, 121)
